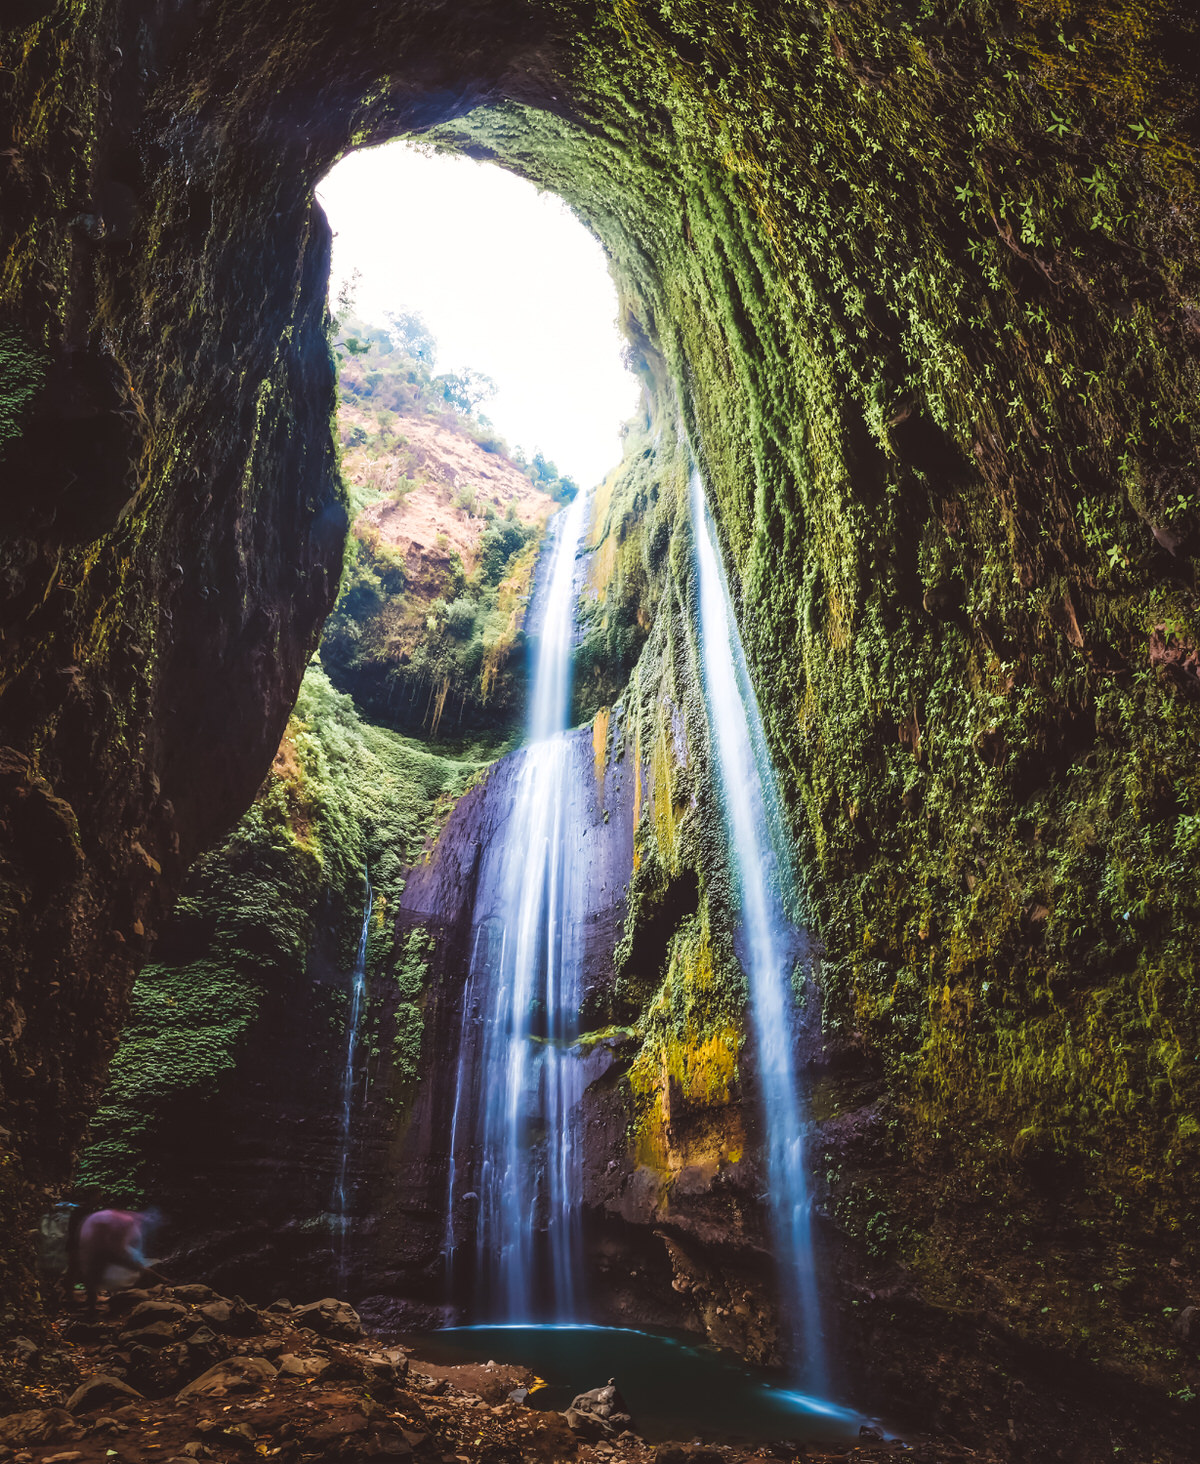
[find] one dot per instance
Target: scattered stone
(330, 1318)
(219, 1432)
(291, 1366)
(193, 1294)
(157, 1309)
(202, 1350)
(234, 1375)
(869, 1431)
(393, 1360)
(337, 1428)
(36, 1426)
(518, 1395)
(25, 1351)
(233, 1317)
(120, 1302)
(281, 1305)
(433, 1387)
(67, 1457)
(98, 1391)
(155, 1335)
(392, 1446)
(156, 1373)
(598, 1413)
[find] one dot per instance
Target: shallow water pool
(674, 1390)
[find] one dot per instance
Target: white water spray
(523, 992)
(760, 854)
(357, 990)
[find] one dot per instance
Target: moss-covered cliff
(251, 979)
(918, 280)
(224, 1103)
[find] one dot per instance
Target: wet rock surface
(285, 1391)
(600, 1413)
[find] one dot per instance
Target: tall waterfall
(760, 853)
(517, 1083)
(358, 983)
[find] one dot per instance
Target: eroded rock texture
(919, 284)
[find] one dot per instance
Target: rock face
(920, 290)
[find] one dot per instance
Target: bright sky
(509, 282)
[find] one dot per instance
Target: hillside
(427, 634)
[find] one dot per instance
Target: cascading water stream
(357, 990)
(522, 996)
(760, 852)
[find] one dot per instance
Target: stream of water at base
(517, 1084)
(673, 1388)
(769, 942)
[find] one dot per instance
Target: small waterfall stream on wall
(358, 984)
(760, 852)
(517, 1083)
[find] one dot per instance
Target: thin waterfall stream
(517, 1084)
(760, 853)
(358, 984)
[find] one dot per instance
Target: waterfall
(521, 1001)
(760, 854)
(357, 990)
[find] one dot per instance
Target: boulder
(120, 1302)
(154, 1335)
(599, 1413)
(36, 1426)
(234, 1317)
(234, 1375)
(330, 1318)
(156, 1372)
(291, 1366)
(193, 1294)
(99, 1391)
(391, 1361)
(158, 1309)
(202, 1350)
(333, 1430)
(1187, 1324)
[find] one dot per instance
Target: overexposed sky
(509, 282)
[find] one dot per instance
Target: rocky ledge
(179, 1374)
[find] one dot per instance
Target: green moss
(343, 796)
(928, 332)
(22, 372)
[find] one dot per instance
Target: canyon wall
(917, 283)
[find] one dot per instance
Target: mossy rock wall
(224, 1107)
